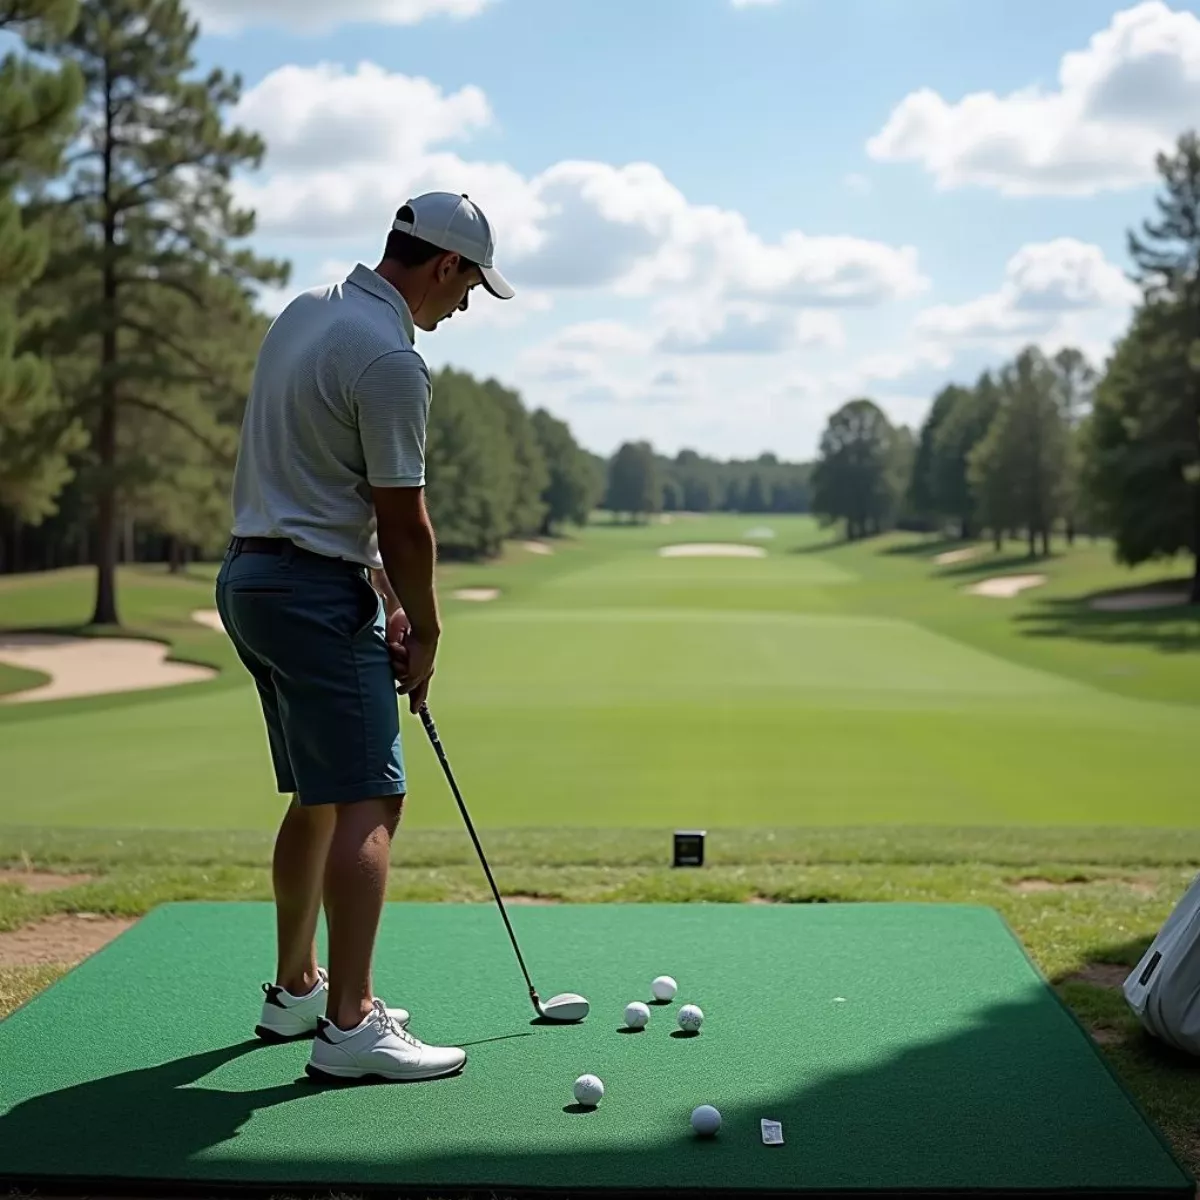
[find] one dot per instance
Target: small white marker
(839, 999)
(772, 1133)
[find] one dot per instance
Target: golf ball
(589, 1090)
(690, 1017)
(664, 988)
(706, 1120)
(636, 1015)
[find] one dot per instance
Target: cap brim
(496, 283)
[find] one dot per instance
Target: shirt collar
(371, 281)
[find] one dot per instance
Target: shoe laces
(386, 1023)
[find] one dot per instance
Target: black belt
(265, 545)
(278, 545)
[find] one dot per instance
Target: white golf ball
(637, 1015)
(589, 1090)
(690, 1017)
(664, 988)
(706, 1120)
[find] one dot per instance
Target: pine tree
(1143, 443)
(150, 192)
(37, 106)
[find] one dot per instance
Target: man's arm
(408, 548)
(392, 402)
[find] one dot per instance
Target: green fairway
(612, 686)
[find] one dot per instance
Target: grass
(846, 720)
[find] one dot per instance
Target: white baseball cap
(454, 223)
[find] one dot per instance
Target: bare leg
(297, 872)
(356, 871)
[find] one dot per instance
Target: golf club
(565, 1007)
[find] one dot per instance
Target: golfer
(327, 592)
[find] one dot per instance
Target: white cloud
(328, 115)
(1119, 101)
(319, 16)
(380, 138)
(1044, 284)
(858, 184)
(740, 328)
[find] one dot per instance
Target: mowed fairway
(612, 686)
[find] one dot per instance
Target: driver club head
(565, 1007)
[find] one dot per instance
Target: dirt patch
(1105, 975)
(209, 617)
(1005, 587)
(712, 550)
(1033, 886)
(1028, 887)
(63, 938)
(957, 556)
(530, 898)
(538, 547)
(1138, 601)
(92, 666)
(41, 881)
(477, 594)
(1104, 1035)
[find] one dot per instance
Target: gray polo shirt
(338, 405)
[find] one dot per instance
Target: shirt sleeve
(392, 404)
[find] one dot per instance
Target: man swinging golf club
(327, 593)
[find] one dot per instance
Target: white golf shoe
(378, 1048)
(285, 1017)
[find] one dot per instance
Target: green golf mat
(906, 1048)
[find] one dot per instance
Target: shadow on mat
(156, 1108)
(1011, 1096)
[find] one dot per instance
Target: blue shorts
(311, 632)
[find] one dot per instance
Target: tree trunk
(1032, 542)
(1070, 531)
(174, 555)
(964, 531)
(997, 540)
(1046, 543)
(106, 438)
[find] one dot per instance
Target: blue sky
(725, 219)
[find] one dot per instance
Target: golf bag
(1163, 990)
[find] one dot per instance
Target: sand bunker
(538, 547)
(1004, 587)
(477, 594)
(957, 556)
(92, 666)
(712, 550)
(209, 617)
(760, 532)
(1136, 601)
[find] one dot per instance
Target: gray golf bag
(1163, 990)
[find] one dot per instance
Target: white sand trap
(1004, 587)
(538, 548)
(712, 550)
(477, 594)
(760, 531)
(956, 556)
(209, 617)
(93, 666)
(1136, 601)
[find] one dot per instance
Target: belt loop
(235, 546)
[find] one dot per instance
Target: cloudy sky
(725, 217)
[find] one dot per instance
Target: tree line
(1053, 445)
(641, 482)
